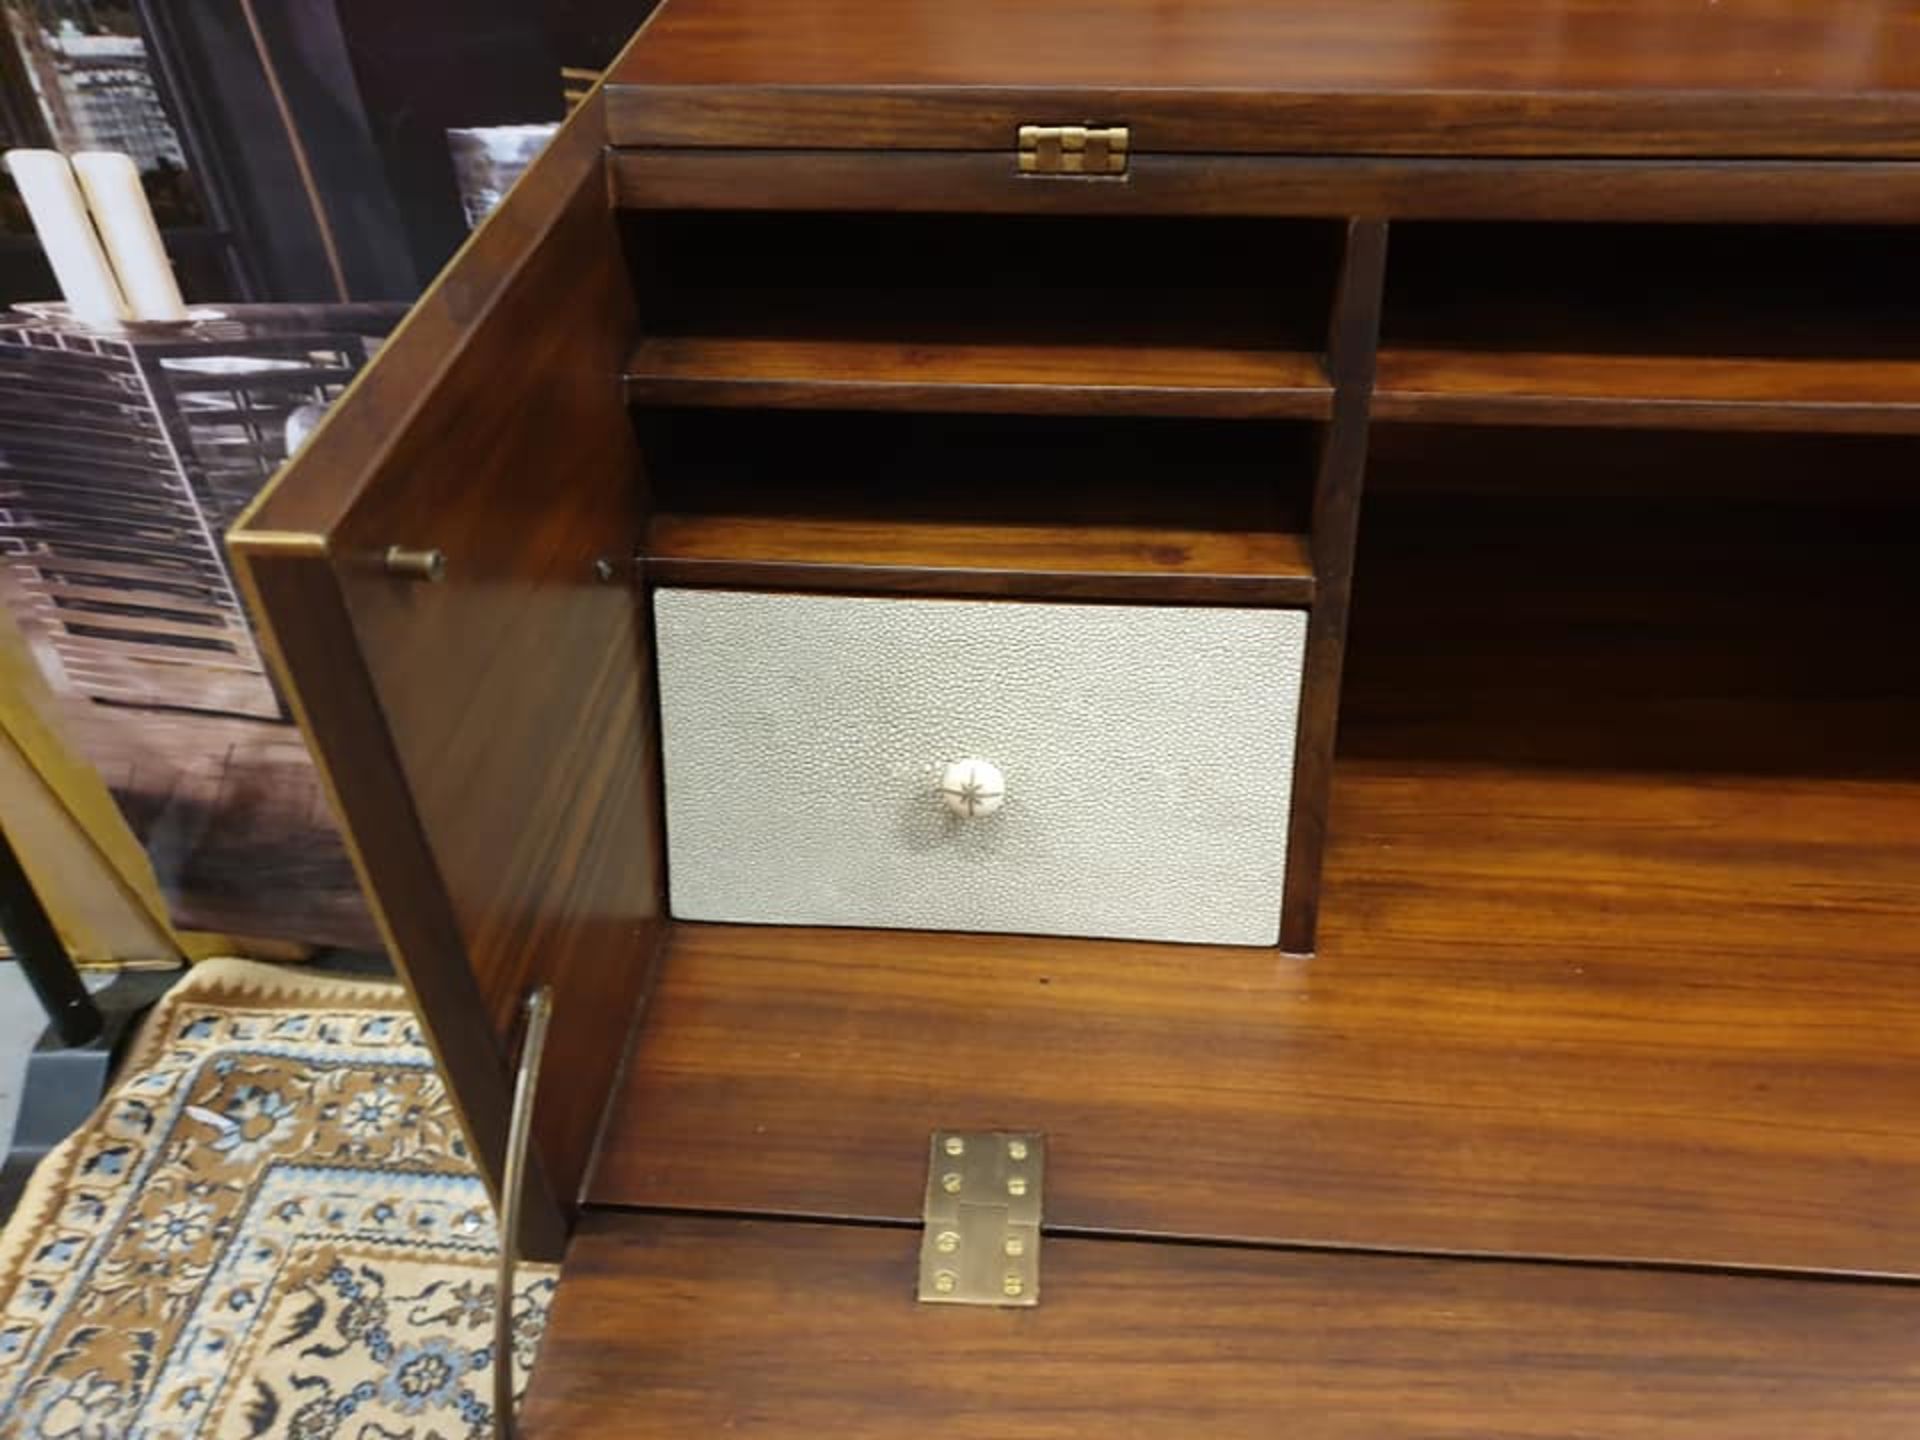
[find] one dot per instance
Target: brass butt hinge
(1073, 150)
(982, 1242)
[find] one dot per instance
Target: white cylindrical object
(59, 216)
(125, 221)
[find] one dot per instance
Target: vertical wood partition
(1352, 345)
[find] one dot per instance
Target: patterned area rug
(271, 1227)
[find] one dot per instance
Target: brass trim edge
(299, 542)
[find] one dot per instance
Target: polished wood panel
(1756, 191)
(296, 597)
(498, 785)
(1501, 77)
(1621, 904)
(1081, 562)
(1353, 334)
(1004, 377)
(1666, 1059)
(1530, 387)
(684, 1327)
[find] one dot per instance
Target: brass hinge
(1073, 150)
(982, 1242)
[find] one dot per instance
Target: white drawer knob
(973, 787)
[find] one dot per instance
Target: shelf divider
(1084, 378)
(1695, 392)
(931, 557)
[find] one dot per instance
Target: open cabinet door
(451, 553)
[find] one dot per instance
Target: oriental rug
(270, 1227)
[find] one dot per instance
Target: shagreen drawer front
(1100, 770)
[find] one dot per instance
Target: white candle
(125, 221)
(60, 220)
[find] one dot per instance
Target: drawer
(1144, 755)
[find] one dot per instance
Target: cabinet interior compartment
(1069, 506)
(1030, 312)
(1767, 327)
(1622, 850)
(1659, 608)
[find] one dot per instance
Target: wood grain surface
(1554, 1088)
(1621, 909)
(1755, 191)
(1608, 77)
(1353, 333)
(308, 634)
(489, 737)
(676, 1327)
(1045, 377)
(1083, 562)
(1709, 392)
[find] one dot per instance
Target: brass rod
(512, 1187)
(297, 146)
(429, 565)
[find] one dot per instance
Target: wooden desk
(1473, 77)
(1578, 1093)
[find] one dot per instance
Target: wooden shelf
(792, 552)
(1526, 387)
(1068, 507)
(1714, 327)
(1030, 314)
(721, 1327)
(966, 375)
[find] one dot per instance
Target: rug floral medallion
(271, 1227)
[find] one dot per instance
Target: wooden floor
(681, 1327)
